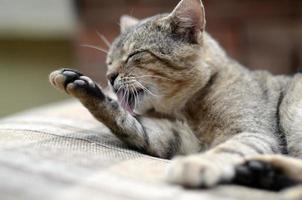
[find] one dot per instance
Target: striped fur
(191, 98)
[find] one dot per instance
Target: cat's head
(153, 63)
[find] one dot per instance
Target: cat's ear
(188, 18)
(127, 21)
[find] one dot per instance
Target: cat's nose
(112, 77)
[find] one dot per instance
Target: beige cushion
(61, 152)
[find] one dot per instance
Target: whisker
(128, 93)
(136, 97)
(128, 81)
(95, 47)
(145, 89)
(133, 80)
(119, 88)
(104, 39)
(132, 91)
(124, 97)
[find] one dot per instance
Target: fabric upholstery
(61, 152)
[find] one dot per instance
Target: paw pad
(262, 175)
(74, 83)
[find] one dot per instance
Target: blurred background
(38, 36)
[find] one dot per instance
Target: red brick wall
(264, 34)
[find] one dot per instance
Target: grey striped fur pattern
(176, 92)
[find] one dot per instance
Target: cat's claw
(75, 83)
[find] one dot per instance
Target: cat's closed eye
(138, 57)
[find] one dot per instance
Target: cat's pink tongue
(124, 103)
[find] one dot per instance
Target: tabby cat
(178, 93)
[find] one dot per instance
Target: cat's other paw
(75, 83)
(198, 171)
(266, 172)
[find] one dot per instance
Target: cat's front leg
(102, 107)
(158, 137)
(218, 165)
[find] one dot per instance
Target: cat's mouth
(129, 99)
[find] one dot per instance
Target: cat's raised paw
(75, 83)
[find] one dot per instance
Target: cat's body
(179, 93)
(235, 100)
